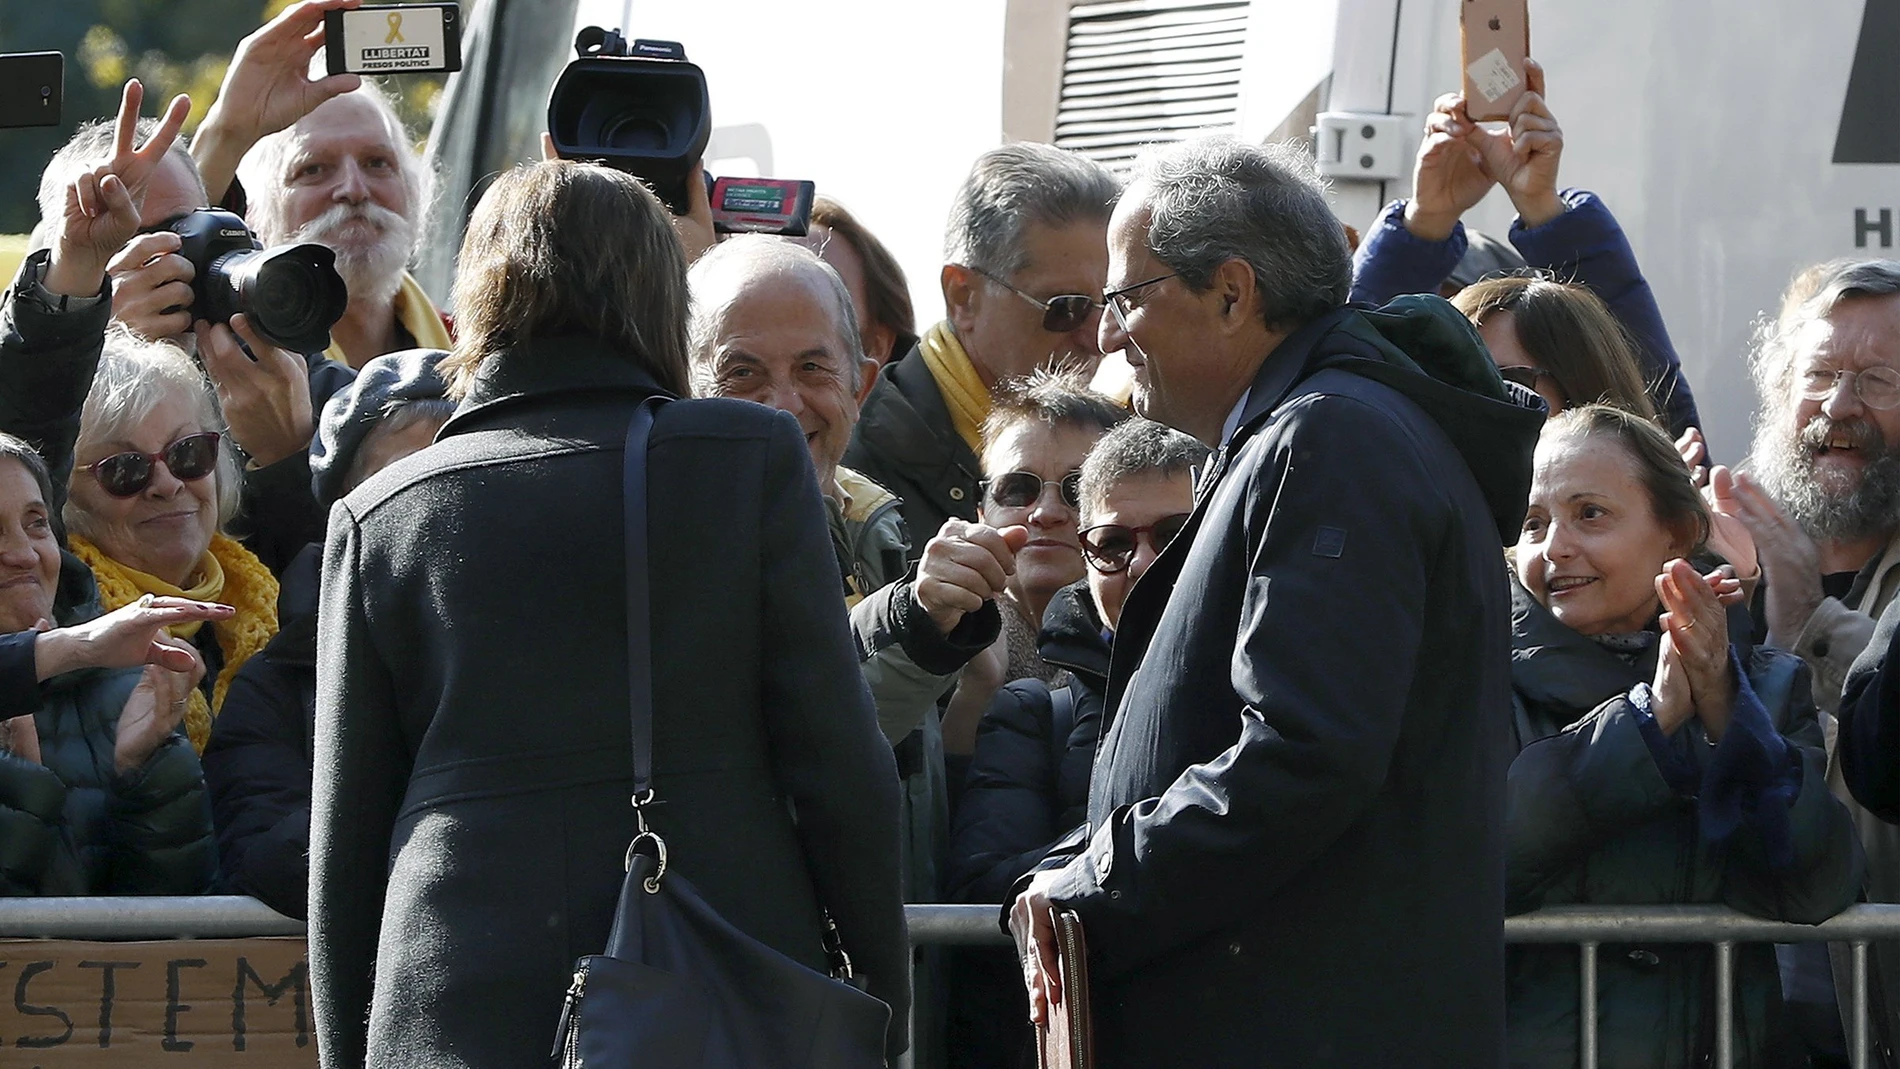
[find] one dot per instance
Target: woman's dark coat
(71, 825)
(1026, 786)
(471, 803)
(1595, 818)
(258, 762)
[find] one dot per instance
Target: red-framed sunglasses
(128, 474)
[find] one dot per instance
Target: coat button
(1820, 647)
(1233, 949)
(1646, 958)
(1103, 862)
(956, 493)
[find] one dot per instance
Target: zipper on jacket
(567, 1033)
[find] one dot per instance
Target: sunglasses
(1111, 548)
(1021, 489)
(1060, 314)
(1526, 376)
(127, 474)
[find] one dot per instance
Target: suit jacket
(1296, 816)
(473, 758)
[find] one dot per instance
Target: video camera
(642, 108)
(292, 294)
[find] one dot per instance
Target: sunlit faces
(1499, 332)
(1138, 502)
(1003, 333)
(165, 529)
(1592, 546)
(1053, 557)
(29, 550)
(778, 344)
(343, 187)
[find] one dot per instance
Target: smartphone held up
(1496, 40)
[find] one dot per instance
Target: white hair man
(325, 160)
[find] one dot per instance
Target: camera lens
(287, 297)
(633, 131)
(293, 294)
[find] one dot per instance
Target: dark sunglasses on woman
(1527, 376)
(1021, 489)
(1060, 314)
(128, 474)
(1111, 548)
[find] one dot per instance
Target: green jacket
(1593, 817)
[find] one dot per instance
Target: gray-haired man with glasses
(1821, 499)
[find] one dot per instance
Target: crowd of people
(1290, 609)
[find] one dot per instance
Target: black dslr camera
(642, 108)
(291, 294)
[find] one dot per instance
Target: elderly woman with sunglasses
(99, 793)
(1038, 431)
(1029, 776)
(142, 472)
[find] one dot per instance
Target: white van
(1737, 141)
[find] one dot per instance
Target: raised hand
(1728, 531)
(265, 396)
(1448, 178)
(1790, 562)
(1696, 626)
(155, 709)
(102, 204)
(1524, 159)
(267, 88)
(966, 565)
(126, 637)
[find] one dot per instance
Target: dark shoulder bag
(679, 987)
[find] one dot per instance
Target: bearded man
(347, 176)
(1822, 497)
(1822, 503)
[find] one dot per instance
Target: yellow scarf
(229, 573)
(417, 315)
(962, 388)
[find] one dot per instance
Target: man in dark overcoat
(1294, 852)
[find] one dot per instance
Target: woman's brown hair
(563, 248)
(1570, 332)
(885, 288)
(1674, 500)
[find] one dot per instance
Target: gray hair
(396, 417)
(1215, 199)
(262, 171)
(135, 376)
(17, 449)
(1059, 397)
(723, 275)
(1137, 449)
(1013, 186)
(91, 145)
(1813, 295)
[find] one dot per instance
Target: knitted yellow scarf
(962, 388)
(417, 315)
(230, 574)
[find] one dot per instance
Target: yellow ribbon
(395, 29)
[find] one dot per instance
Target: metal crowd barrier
(1588, 927)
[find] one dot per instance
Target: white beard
(371, 268)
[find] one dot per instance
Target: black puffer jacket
(258, 762)
(1594, 816)
(1029, 777)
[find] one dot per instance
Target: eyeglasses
(1111, 548)
(1021, 489)
(1877, 387)
(128, 474)
(1117, 300)
(1060, 314)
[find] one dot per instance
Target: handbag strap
(639, 606)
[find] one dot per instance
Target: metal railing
(1586, 927)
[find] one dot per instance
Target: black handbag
(679, 987)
